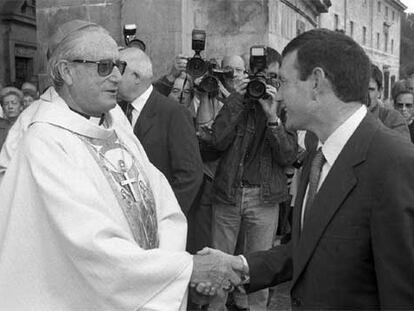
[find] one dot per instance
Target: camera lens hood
(196, 67)
(256, 88)
(209, 84)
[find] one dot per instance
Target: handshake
(215, 273)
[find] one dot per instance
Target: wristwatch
(274, 123)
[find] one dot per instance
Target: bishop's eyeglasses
(104, 66)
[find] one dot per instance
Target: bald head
(232, 61)
(236, 63)
(138, 62)
(137, 77)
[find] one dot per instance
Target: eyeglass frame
(121, 65)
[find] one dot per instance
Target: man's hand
(219, 271)
(240, 85)
(179, 66)
(214, 270)
(205, 133)
(270, 105)
(223, 89)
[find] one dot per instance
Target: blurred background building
(18, 42)
(376, 26)
(165, 26)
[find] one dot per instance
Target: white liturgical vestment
(67, 235)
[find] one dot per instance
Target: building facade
(232, 26)
(18, 42)
(376, 26)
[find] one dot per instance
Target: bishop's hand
(215, 271)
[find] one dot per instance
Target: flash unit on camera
(130, 29)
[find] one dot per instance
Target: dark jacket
(356, 250)
(166, 132)
(391, 118)
(5, 126)
(232, 129)
(163, 85)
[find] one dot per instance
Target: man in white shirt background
(164, 128)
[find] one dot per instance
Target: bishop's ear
(64, 72)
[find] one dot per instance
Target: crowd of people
(121, 192)
(13, 102)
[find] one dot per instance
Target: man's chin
(291, 125)
(106, 107)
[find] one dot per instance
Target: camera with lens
(210, 82)
(256, 88)
(130, 38)
(198, 67)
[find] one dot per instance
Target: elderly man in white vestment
(86, 221)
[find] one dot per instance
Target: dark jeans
(256, 221)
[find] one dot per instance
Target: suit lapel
(339, 182)
(146, 119)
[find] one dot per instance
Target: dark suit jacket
(165, 130)
(356, 250)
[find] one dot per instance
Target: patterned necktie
(314, 177)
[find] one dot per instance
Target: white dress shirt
(334, 145)
(138, 104)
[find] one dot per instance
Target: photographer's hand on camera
(240, 85)
(270, 104)
(223, 91)
(179, 66)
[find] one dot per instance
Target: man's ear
(380, 92)
(65, 71)
(137, 78)
(318, 78)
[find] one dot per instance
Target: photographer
(207, 107)
(250, 182)
(182, 92)
(165, 84)
(208, 104)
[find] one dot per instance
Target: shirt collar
(54, 110)
(140, 101)
(337, 140)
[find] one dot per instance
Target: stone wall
(4, 59)
(159, 25)
(17, 39)
(232, 26)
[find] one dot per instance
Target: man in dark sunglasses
(86, 221)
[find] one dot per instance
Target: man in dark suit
(163, 127)
(352, 241)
